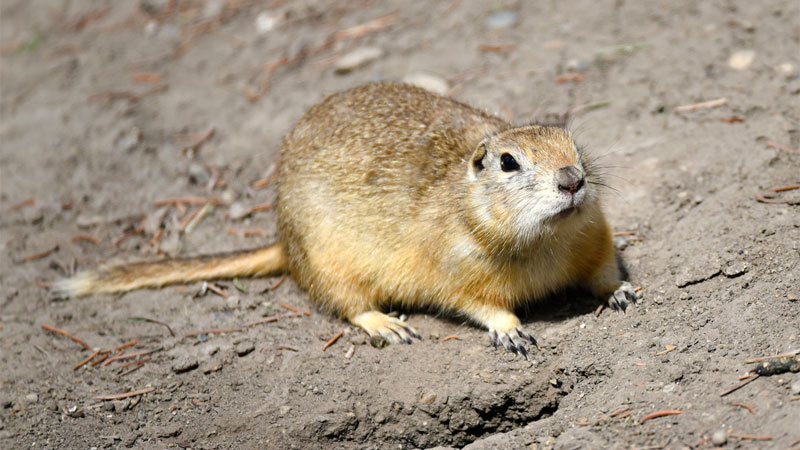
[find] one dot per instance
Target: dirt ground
(109, 107)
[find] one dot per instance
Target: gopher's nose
(570, 179)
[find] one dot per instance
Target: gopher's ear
(476, 162)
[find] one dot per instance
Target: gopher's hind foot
(618, 301)
(395, 331)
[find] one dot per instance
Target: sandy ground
(108, 107)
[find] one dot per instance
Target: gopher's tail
(127, 277)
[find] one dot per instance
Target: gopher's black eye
(508, 163)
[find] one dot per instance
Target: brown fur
(384, 198)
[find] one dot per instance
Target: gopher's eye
(508, 163)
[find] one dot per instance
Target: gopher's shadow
(565, 304)
(556, 307)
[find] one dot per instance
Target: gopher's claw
(620, 298)
(513, 341)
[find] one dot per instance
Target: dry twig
(765, 358)
(199, 140)
(369, 27)
(332, 340)
(20, 205)
(789, 187)
(781, 147)
(750, 437)
(217, 290)
(125, 394)
(739, 386)
(246, 232)
(53, 329)
(145, 319)
(745, 406)
(146, 77)
(278, 283)
(85, 238)
(702, 105)
(86, 361)
(39, 255)
(762, 199)
(189, 200)
(497, 48)
(654, 415)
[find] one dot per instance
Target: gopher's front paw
(514, 340)
(620, 298)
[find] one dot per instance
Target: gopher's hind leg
(376, 323)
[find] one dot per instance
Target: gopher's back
(362, 176)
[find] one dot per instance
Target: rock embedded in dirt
(243, 348)
(742, 59)
(358, 339)
(185, 364)
(356, 59)
(198, 174)
(127, 141)
(237, 211)
(719, 438)
(502, 19)
(266, 22)
(691, 276)
(428, 81)
(735, 269)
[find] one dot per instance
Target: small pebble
(795, 388)
(501, 19)
(427, 398)
(428, 81)
(198, 174)
(620, 242)
(357, 58)
(576, 65)
(185, 364)
(6, 401)
(787, 69)
(719, 438)
(266, 22)
(238, 211)
(742, 59)
(129, 140)
(212, 365)
(232, 301)
(244, 347)
(358, 339)
(735, 269)
(32, 398)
